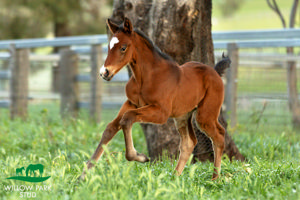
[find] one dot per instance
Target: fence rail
(5, 74)
(256, 34)
(80, 46)
(274, 43)
(54, 42)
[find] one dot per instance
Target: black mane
(152, 46)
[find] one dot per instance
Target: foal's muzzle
(104, 73)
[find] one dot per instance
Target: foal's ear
(112, 26)
(127, 26)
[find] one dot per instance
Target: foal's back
(195, 80)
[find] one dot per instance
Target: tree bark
(181, 29)
(61, 29)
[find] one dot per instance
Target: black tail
(222, 65)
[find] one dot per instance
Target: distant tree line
(229, 7)
(31, 19)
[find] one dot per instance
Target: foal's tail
(222, 65)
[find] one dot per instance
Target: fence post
(3, 82)
(55, 84)
(96, 86)
(19, 65)
(231, 84)
(69, 92)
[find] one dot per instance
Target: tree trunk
(181, 29)
(61, 29)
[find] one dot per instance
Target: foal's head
(120, 49)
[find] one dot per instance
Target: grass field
(263, 80)
(271, 172)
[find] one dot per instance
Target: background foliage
(30, 19)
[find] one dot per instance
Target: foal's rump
(195, 81)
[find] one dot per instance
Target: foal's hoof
(135, 156)
(82, 177)
(142, 157)
(89, 165)
(215, 177)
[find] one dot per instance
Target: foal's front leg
(110, 131)
(152, 114)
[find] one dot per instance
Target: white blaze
(102, 70)
(113, 41)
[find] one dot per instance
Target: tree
(181, 29)
(229, 7)
(57, 12)
(294, 104)
(16, 22)
(62, 17)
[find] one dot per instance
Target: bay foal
(158, 89)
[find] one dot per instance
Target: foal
(158, 89)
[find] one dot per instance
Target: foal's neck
(145, 61)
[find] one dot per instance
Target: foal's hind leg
(188, 140)
(207, 118)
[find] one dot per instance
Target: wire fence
(262, 93)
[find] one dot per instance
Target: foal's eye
(123, 48)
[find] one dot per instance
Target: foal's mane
(149, 43)
(152, 46)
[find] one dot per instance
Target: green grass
(260, 80)
(272, 170)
